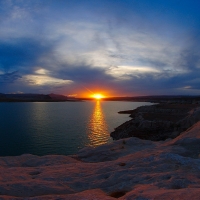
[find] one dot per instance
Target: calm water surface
(58, 127)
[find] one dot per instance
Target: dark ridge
(117, 194)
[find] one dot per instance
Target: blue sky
(117, 47)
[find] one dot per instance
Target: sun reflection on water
(98, 133)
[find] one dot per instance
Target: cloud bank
(117, 47)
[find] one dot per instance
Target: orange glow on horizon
(98, 96)
(84, 92)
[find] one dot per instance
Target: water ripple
(97, 127)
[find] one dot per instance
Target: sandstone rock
(158, 122)
(127, 169)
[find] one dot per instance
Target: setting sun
(98, 96)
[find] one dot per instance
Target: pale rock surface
(128, 169)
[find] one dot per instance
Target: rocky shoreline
(158, 122)
(127, 169)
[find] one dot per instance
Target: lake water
(58, 127)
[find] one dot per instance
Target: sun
(98, 96)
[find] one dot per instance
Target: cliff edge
(158, 122)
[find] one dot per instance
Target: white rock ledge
(126, 169)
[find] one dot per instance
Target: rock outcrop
(126, 169)
(158, 122)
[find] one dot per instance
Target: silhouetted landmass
(155, 99)
(35, 98)
(59, 98)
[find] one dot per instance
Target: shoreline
(158, 122)
(28, 97)
(128, 168)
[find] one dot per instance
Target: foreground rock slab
(130, 168)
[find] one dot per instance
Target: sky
(113, 47)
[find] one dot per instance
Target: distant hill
(58, 97)
(35, 98)
(24, 97)
(152, 98)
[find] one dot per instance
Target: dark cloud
(23, 52)
(190, 55)
(9, 77)
(157, 63)
(85, 74)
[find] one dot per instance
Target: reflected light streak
(98, 133)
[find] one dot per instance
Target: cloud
(84, 74)
(134, 46)
(42, 71)
(22, 52)
(189, 57)
(129, 72)
(37, 80)
(9, 77)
